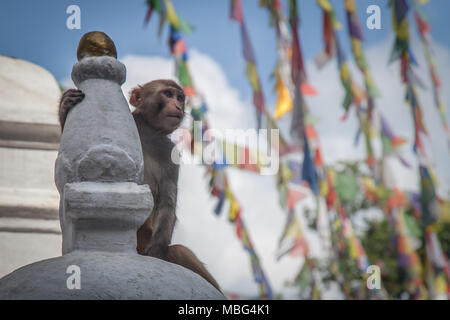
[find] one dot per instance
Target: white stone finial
(100, 141)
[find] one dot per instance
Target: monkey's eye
(180, 98)
(168, 93)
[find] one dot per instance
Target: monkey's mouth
(177, 116)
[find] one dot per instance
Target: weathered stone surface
(100, 141)
(105, 68)
(104, 216)
(106, 275)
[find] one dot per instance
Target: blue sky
(36, 31)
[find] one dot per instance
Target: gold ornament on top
(96, 44)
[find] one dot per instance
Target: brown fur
(182, 256)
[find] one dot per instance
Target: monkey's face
(169, 109)
(161, 102)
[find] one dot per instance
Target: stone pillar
(100, 142)
(98, 172)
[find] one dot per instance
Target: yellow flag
(356, 45)
(403, 30)
(316, 292)
(445, 212)
(325, 5)
(294, 230)
(353, 247)
(172, 15)
(440, 284)
(345, 73)
(252, 76)
(350, 5)
(284, 101)
(234, 209)
(323, 188)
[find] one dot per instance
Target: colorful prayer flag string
(402, 51)
(424, 29)
(291, 85)
(353, 93)
(390, 141)
(291, 88)
(166, 13)
(236, 14)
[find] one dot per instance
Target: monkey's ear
(135, 96)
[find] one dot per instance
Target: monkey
(159, 110)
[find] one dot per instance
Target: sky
(36, 31)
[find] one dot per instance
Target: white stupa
(29, 140)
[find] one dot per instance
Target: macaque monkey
(159, 111)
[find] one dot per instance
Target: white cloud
(141, 69)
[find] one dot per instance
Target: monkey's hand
(68, 100)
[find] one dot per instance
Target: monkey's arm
(68, 100)
(164, 218)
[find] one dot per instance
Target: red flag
(236, 11)
(239, 225)
(148, 16)
(293, 196)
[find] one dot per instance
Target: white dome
(28, 92)
(107, 276)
